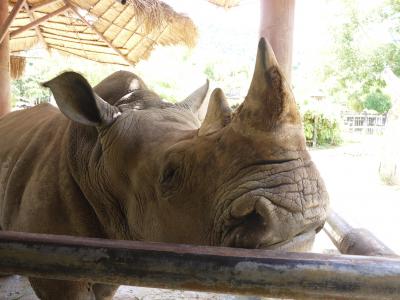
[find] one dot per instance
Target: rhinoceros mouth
(302, 242)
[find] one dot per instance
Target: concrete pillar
(276, 24)
(4, 64)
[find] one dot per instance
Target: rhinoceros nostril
(243, 207)
(249, 233)
(253, 220)
(319, 228)
(253, 223)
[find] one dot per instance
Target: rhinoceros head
(240, 179)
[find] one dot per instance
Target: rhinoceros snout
(275, 211)
(260, 228)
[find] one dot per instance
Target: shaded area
(18, 287)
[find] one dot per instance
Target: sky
(227, 45)
(234, 33)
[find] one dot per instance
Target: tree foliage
(28, 89)
(327, 129)
(324, 119)
(378, 101)
(358, 62)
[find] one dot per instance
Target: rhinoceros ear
(218, 113)
(77, 100)
(196, 102)
(117, 85)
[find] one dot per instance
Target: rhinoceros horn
(196, 102)
(269, 102)
(77, 100)
(218, 113)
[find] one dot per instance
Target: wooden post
(276, 24)
(11, 17)
(4, 63)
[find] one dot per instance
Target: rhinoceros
(115, 161)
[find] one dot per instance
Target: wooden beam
(6, 25)
(37, 28)
(355, 241)
(100, 35)
(43, 4)
(38, 21)
(4, 62)
(224, 270)
(276, 24)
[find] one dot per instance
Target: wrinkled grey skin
(119, 163)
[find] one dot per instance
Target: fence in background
(364, 123)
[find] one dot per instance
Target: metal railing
(216, 269)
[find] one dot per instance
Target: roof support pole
(276, 24)
(4, 62)
(5, 25)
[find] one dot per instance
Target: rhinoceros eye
(168, 175)
(169, 178)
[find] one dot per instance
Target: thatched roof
(225, 3)
(103, 30)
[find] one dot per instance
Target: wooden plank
(100, 35)
(43, 4)
(39, 21)
(216, 269)
(7, 23)
(37, 28)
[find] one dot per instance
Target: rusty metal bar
(216, 269)
(6, 25)
(355, 241)
(38, 21)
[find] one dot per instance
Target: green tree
(358, 64)
(390, 13)
(378, 101)
(38, 70)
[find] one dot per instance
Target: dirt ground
(18, 288)
(356, 192)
